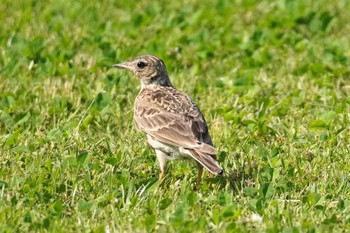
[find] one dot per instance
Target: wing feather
(172, 118)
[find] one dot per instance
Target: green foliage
(271, 77)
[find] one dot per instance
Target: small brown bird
(174, 125)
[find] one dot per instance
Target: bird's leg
(200, 172)
(162, 163)
(161, 175)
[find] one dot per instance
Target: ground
(272, 79)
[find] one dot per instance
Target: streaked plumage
(174, 125)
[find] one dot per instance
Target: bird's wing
(171, 117)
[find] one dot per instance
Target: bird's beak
(124, 65)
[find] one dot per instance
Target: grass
(271, 77)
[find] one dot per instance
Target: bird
(174, 125)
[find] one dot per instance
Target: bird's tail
(205, 155)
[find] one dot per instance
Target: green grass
(271, 77)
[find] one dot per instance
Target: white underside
(172, 152)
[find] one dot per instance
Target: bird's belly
(172, 152)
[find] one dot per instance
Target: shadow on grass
(237, 180)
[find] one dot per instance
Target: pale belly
(172, 152)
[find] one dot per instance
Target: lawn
(272, 79)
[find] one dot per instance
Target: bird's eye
(141, 64)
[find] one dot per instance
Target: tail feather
(207, 149)
(206, 160)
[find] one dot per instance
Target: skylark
(174, 125)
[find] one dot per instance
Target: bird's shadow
(236, 180)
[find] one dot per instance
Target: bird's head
(150, 69)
